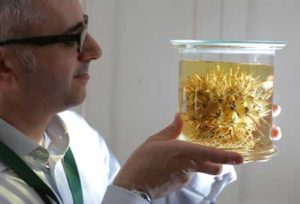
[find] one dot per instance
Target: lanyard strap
(12, 160)
(73, 178)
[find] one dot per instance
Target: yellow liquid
(227, 105)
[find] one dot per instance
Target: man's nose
(91, 49)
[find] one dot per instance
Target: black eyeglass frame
(79, 38)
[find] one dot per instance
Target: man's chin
(74, 102)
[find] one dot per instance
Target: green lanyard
(73, 177)
(12, 160)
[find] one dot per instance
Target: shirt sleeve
(203, 188)
(117, 195)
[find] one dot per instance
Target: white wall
(133, 90)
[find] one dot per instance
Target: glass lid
(227, 44)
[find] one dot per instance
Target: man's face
(59, 79)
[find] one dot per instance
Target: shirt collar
(31, 151)
(15, 139)
(59, 138)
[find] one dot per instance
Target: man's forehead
(61, 15)
(77, 27)
(67, 7)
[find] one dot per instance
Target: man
(50, 156)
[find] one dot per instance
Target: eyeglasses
(78, 38)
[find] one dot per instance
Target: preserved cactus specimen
(226, 105)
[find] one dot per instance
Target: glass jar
(225, 95)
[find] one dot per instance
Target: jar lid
(254, 44)
(229, 46)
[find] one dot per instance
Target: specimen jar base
(260, 156)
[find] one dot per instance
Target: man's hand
(163, 164)
(276, 131)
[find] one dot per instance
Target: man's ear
(7, 75)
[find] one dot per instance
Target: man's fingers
(200, 153)
(276, 133)
(276, 109)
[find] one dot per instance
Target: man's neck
(32, 126)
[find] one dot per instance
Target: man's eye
(70, 43)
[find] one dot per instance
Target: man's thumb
(170, 132)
